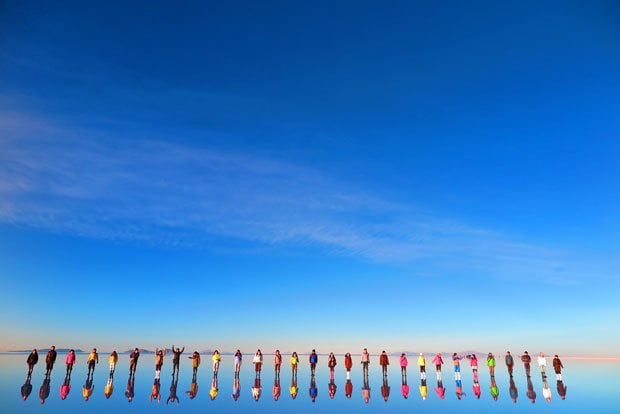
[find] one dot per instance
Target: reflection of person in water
(113, 360)
(348, 364)
(366, 387)
(176, 359)
(159, 360)
(26, 389)
(561, 389)
(404, 387)
(215, 389)
(109, 387)
(527, 360)
(133, 361)
(423, 389)
(293, 388)
(331, 388)
(546, 390)
(69, 361)
(385, 389)
(422, 365)
(257, 389)
(44, 391)
(130, 383)
(313, 391)
(510, 362)
(348, 388)
(32, 360)
(175, 381)
(193, 387)
(557, 367)
(514, 393)
(238, 362)
(494, 388)
(476, 389)
(438, 361)
(331, 364)
(531, 394)
(236, 389)
(458, 387)
(88, 388)
(50, 359)
(93, 358)
(277, 389)
(313, 359)
(384, 361)
(65, 387)
(155, 391)
(440, 390)
(294, 363)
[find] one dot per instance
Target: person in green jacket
(491, 364)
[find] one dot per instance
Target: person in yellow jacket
(294, 363)
(112, 360)
(216, 361)
(422, 365)
(93, 358)
(195, 362)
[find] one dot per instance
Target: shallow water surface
(589, 388)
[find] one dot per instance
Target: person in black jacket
(50, 359)
(176, 359)
(32, 360)
(510, 362)
(133, 361)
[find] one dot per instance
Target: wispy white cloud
(85, 182)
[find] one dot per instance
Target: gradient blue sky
(330, 175)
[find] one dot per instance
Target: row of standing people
(93, 358)
(313, 359)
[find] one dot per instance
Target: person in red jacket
(348, 364)
(527, 360)
(384, 362)
(331, 364)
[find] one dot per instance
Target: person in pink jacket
(70, 361)
(403, 365)
(438, 361)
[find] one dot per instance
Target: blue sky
(301, 175)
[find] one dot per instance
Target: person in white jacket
(542, 363)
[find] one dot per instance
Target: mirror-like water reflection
(145, 389)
